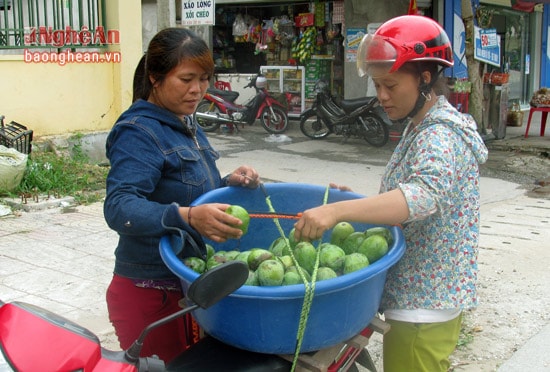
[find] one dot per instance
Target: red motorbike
(35, 339)
(218, 107)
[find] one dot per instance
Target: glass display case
(290, 82)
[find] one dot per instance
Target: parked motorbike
(358, 117)
(219, 107)
(35, 339)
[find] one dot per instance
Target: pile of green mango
(347, 251)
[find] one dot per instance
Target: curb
(39, 203)
(533, 356)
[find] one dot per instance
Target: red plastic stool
(544, 112)
(460, 101)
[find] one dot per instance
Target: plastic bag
(239, 26)
(12, 168)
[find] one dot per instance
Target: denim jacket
(157, 164)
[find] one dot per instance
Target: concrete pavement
(61, 258)
(533, 355)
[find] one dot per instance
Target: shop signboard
(197, 12)
(488, 38)
(487, 46)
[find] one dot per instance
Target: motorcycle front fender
(273, 102)
(306, 112)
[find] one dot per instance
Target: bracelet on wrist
(189, 216)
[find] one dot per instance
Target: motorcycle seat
(228, 95)
(354, 103)
(210, 354)
(33, 339)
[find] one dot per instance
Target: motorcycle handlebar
(252, 83)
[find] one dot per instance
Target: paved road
(62, 258)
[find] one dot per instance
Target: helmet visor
(376, 56)
(380, 55)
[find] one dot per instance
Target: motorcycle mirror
(217, 283)
(205, 291)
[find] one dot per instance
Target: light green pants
(419, 347)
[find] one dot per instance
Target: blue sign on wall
(488, 37)
(484, 51)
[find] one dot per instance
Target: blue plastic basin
(265, 319)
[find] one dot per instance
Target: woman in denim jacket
(430, 186)
(161, 161)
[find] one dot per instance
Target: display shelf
(289, 80)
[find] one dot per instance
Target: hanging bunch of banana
(304, 48)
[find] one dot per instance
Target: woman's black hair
(166, 50)
(436, 82)
(439, 82)
(138, 83)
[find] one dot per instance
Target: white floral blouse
(436, 166)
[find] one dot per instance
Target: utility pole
(475, 68)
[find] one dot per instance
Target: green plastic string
(309, 287)
(282, 233)
(276, 220)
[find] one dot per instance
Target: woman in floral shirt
(431, 187)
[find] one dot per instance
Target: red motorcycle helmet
(403, 39)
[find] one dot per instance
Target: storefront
(294, 44)
(513, 28)
(518, 25)
(248, 36)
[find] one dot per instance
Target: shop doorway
(513, 28)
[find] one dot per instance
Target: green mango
(270, 273)
(380, 230)
(209, 251)
(291, 278)
(257, 256)
(294, 269)
(305, 254)
(352, 242)
(280, 247)
(217, 259)
(332, 256)
(196, 264)
(287, 261)
(243, 256)
(374, 247)
(324, 273)
(340, 232)
(232, 255)
(354, 262)
(252, 279)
